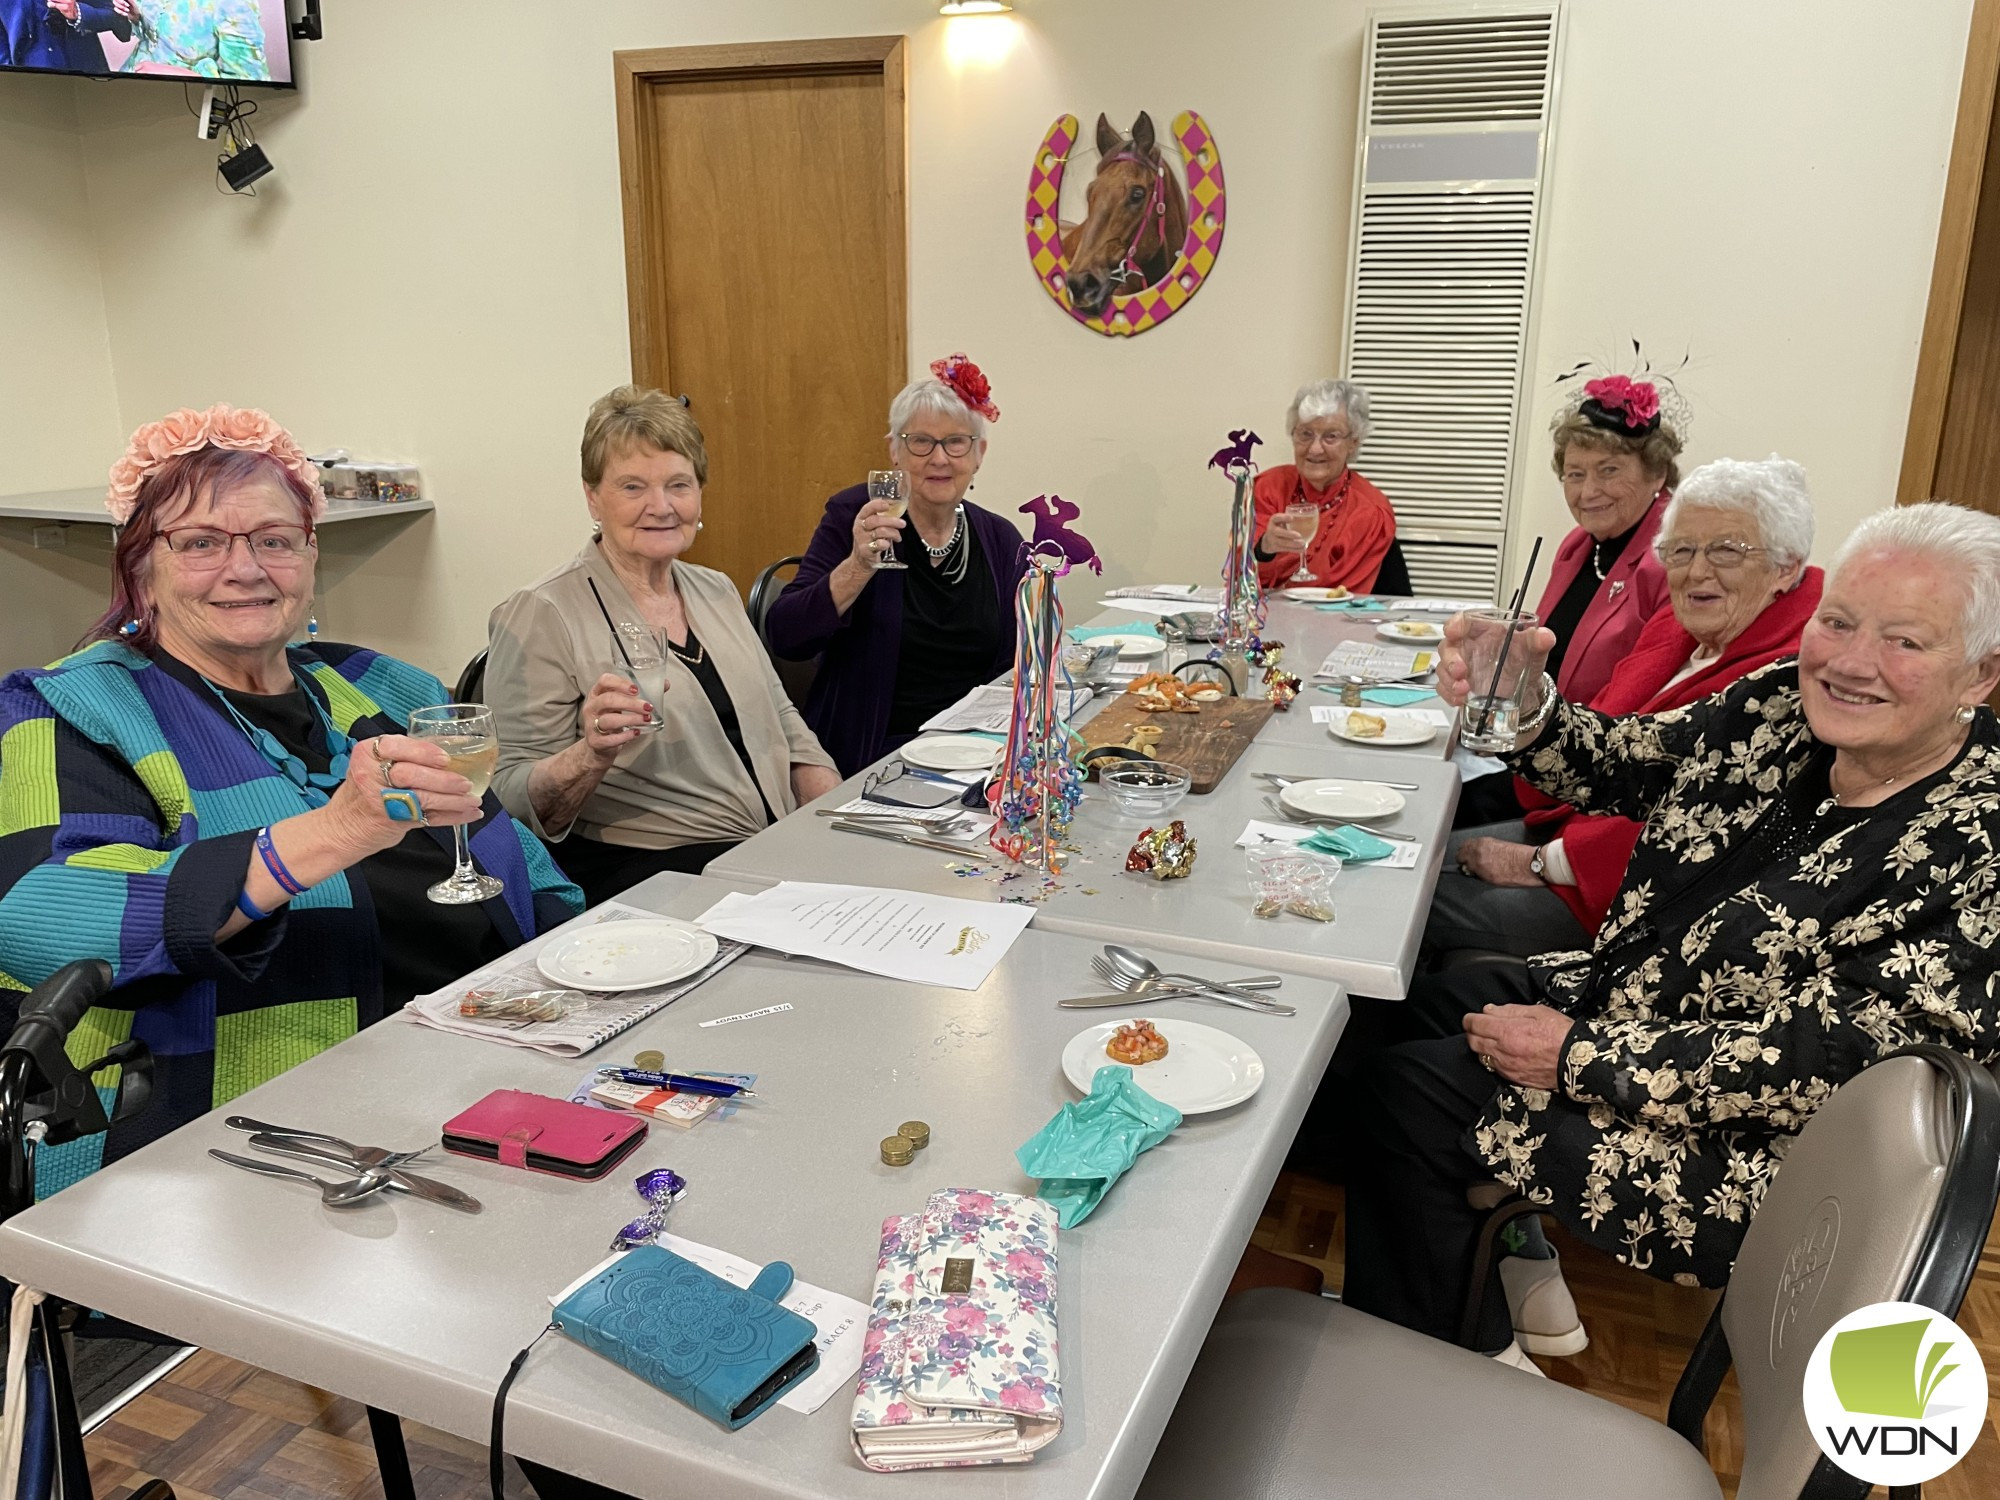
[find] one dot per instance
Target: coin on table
(651, 1061)
(916, 1132)
(897, 1150)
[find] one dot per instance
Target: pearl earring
(699, 524)
(1967, 712)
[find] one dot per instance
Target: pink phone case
(543, 1134)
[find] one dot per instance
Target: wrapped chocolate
(1164, 853)
(1280, 687)
(1263, 653)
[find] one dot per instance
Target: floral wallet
(960, 1364)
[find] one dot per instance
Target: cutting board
(1205, 745)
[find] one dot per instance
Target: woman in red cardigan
(1328, 422)
(1733, 546)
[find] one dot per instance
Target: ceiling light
(973, 7)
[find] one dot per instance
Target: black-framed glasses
(1724, 557)
(210, 546)
(899, 785)
(923, 445)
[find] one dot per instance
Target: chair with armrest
(1885, 1196)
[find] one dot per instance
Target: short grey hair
(1327, 398)
(1967, 541)
(1772, 492)
(931, 397)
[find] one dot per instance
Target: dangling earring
(312, 627)
(129, 628)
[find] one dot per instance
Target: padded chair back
(797, 676)
(471, 682)
(1885, 1196)
(1393, 577)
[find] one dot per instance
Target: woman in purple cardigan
(900, 645)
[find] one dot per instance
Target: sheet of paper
(1256, 832)
(988, 709)
(1377, 661)
(1210, 593)
(841, 1322)
(1471, 767)
(1157, 607)
(1328, 713)
(968, 827)
(940, 940)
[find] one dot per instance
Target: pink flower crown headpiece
(972, 387)
(1631, 405)
(241, 428)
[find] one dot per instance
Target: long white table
(416, 1309)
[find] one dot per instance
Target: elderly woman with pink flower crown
(236, 823)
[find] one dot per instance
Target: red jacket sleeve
(1599, 847)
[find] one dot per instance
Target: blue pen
(680, 1083)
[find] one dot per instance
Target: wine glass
(890, 485)
(465, 732)
(1302, 516)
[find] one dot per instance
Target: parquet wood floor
(219, 1430)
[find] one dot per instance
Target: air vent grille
(1470, 69)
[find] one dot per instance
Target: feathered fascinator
(241, 428)
(1634, 405)
(973, 388)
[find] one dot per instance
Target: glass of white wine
(890, 485)
(1303, 517)
(465, 732)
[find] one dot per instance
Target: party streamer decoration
(1242, 613)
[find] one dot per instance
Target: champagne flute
(890, 485)
(1302, 516)
(472, 748)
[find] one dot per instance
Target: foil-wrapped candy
(1280, 687)
(1164, 853)
(1263, 653)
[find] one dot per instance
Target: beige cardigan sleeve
(535, 694)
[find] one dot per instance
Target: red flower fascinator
(1634, 403)
(971, 386)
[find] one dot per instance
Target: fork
(1186, 987)
(368, 1158)
(1103, 968)
(1381, 833)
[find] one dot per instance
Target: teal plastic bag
(1090, 1144)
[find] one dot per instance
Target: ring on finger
(403, 807)
(597, 724)
(384, 766)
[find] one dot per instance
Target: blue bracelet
(249, 908)
(286, 880)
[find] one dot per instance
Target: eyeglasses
(899, 785)
(923, 445)
(1305, 437)
(1724, 557)
(210, 546)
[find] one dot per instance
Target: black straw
(1513, 624)
(619, 640)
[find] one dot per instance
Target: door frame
(634, 72)
(1939, 350)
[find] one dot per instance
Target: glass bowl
(1148, 789)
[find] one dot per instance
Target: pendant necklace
(317, 787)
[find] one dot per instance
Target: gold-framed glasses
(922, 444)
(1306, 437)
(1724, 557)
(210, 546)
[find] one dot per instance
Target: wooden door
(764, 247)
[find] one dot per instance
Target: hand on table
(1498, 862)
(875, 532)
(611, 717)
(1522, 1043)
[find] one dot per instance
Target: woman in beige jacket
(623, 782)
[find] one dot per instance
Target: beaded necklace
(316, 787)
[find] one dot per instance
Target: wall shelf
(86, 508)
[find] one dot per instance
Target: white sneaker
(1512, 1355)
(1540, 1306)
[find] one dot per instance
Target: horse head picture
(1136, 220)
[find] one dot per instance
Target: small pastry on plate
(1135, 1044)
(1366, 726)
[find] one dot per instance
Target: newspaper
(595, 1020)
(1376, 663)
(989, 709)
(1186, 592)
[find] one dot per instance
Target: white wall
(435, 269)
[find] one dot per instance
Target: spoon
(1141, 967)
(332, 1194)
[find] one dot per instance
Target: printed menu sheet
(1376, 663)
(989, 709)
(939, 940)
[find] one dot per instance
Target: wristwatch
(1538, 866)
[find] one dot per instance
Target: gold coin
(651, 1061)
(897, 1151)
(916, 1132)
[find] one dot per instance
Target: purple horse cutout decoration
(1241, 441)
(1052, 516)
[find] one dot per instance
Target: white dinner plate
(951, 752)
(1411, 632)
(1402, 728)
(1204, 1068)
(1341, 799)
(1317, 595)
(1134, 644)
(634, 954)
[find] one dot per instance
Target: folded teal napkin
(1137, 627)
(1092, 1142)
(1351, 606)
(1354, 845)
(1396, 697)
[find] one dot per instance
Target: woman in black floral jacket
(1818, 884)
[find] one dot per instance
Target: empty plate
(1204, 1068)
(1397, 728)
(951, 752)
(633, 954)
(1134, 644)
(1341, 799)
(1416, 632)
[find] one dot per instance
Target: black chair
(472, 681)
(1394, 575)
(797, 676)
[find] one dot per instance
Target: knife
(964, 851)
(1139, 1002)
(413, 1183)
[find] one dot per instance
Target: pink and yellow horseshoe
(1134, 313)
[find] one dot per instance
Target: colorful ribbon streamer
(1037, 787)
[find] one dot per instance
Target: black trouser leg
(551, 1484)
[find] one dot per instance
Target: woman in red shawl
(1328, 421)
(1734, 542)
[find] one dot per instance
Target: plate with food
(1330, 798)
(1137, 643)
(951, 752)
(1416, 632)
(1162, 692)
(633, 954)
(1318, 595)
(1381, 726)
(1194, 1068)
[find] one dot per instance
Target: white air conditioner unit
(1457, 116)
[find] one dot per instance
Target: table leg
(391, 1457)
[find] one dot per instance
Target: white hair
(1330, 398)
(931, 397)
(1966, 541)
(1772, 492)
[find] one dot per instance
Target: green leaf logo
(1875, 1370)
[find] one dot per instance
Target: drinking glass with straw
(645, 668)
(464, 731)
(1500, 650)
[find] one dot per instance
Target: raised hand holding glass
(465, 733)
(892, 486)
